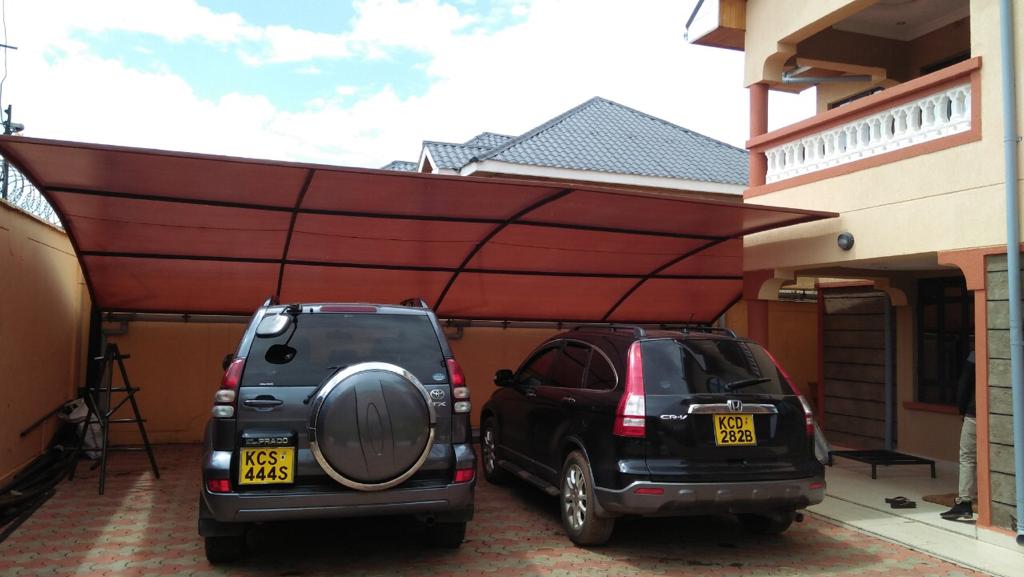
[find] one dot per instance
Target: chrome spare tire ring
(325, 391)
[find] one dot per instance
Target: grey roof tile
(488, 139)
(601, 135)
(449, 155)
(402, 165)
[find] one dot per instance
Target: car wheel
(488, 443)
(447, 535)
(580, 519)
(224, 549)
(767, 523)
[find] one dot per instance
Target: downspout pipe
(890, 386)
(1010, 147)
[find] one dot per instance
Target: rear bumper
(647, 498)
(444, 503)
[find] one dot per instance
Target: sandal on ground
(902, 503)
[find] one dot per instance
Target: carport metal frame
(519, 218)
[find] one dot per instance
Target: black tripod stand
(101, 407)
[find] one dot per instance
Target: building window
(945, 336)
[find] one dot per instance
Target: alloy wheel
(574, 495)
(488, 450)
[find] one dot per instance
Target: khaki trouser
(968, 461)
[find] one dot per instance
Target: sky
(357, 83)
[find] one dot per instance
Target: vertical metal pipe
(1010, 145)
(890, 397)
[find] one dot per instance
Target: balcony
(717, 23)
(923, 115)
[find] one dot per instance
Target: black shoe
(961, 510)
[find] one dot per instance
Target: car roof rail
(695, 328)
(638, 332)
(415, 302)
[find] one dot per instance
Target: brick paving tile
(144, 526)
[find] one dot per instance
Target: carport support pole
(1010, 147)
(757, 309)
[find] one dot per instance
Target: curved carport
(169, 232)
(191, 236)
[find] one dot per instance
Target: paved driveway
(147, 527)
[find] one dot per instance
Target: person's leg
(968, 461)
(968, 485)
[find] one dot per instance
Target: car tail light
(631, 416)
(816, 485)
(649, 491)
(808, 412)
(226, 397)
(233, 374)
(808, 415)
(464, 475)
(218, 485)
(460, 392)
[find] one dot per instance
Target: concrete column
(757, 321)
(757, 309)
(758, 126)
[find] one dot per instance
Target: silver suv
(338, 410)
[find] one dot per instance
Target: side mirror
(273, 326)
(280, 354)
(227, 360)
(504, 378)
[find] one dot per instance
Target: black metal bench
(876, 457)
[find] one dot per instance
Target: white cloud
(287, 44)
(507, 80)
(425, 26)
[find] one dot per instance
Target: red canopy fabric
(171, 232)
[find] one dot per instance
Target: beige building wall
(919, 431)
(775, 26)
(44, 320)
(945, 200)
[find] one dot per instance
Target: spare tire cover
(371, 426)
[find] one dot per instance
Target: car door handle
(530, 392)
(569, 400)
(263, 402)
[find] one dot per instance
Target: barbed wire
(23, 195)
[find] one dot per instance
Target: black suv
(338, 410)
(622, 420)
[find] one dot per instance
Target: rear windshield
(700, 366)
(324, 342)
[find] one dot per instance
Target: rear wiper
(334, 369)
(743, 383)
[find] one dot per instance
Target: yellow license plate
(734, 430)
(266, 465)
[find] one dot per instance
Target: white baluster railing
(931, 117)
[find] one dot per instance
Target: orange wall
(792, 337)
(44, 317)
(178, 367)
(482, 351)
